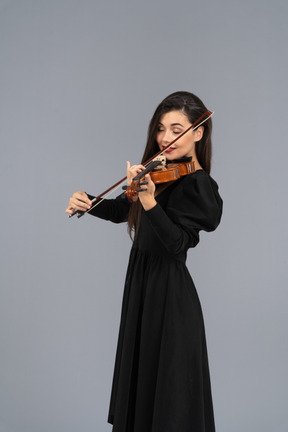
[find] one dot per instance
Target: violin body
(171, 172)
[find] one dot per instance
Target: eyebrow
(173, 124)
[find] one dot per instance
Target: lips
(169, 150)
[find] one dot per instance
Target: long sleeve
(194, 205)
(115, 210)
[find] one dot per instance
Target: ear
(199, 133)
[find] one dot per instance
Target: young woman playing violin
(161, 379)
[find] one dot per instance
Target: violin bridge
(162, 160)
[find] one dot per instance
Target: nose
(167, 137)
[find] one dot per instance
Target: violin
(171, 174)
(159, 174)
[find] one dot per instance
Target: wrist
(148, 203)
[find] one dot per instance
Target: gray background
(79, 83)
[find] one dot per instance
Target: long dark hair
(193, 107)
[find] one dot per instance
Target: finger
(82, 196)
(150, 183)
(141, 168)
(138, 168)
(76, 204)
(69, 210)
(80, 199)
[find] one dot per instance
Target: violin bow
(202, 119)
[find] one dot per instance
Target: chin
(172, 156)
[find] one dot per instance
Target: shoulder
(197, 194)
(198, 184)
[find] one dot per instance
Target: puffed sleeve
(115, 210)
(194, 205)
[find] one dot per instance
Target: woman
(161, 379)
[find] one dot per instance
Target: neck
(196, 162)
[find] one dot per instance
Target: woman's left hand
(146, 196)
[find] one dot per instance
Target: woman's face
(170, 126)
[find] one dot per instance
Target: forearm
(174, 237)
(115, 210)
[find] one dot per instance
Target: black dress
(161, 379)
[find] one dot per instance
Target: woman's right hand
(78, 201)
